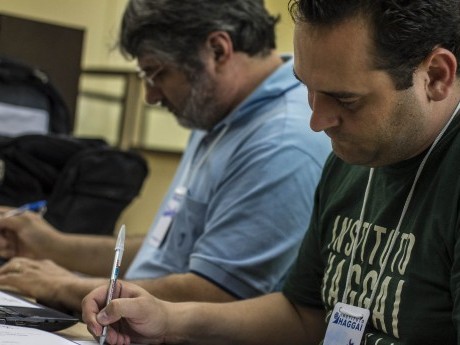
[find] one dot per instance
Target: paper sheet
(11, 301)
(13, 335)
(90, 342)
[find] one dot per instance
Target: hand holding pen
(36, 206)
(119, 247)
(14, 237)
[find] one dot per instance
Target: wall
(285, 28)
(100, 19)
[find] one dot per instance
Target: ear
(441, 67)
(220, 46)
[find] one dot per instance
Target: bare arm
(55, 286)
(184, 287)
(173, 288)
(270, 319)
(92, 255)
(31, 236)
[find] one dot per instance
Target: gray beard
(201, 109)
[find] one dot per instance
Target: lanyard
(403, 213)
(173, 205)
(189, 174)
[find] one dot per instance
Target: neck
(251, 72)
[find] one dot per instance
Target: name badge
(163, 224)
(347, 325)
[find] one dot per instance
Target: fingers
(117, 315)
(91, 305)
(4, 209)
(17, 273)
(112, 313)
(7, 244)
(117, 338)
(25, 275)
(11, 275)
(9, 228)
(95, 318)
(96, 314)
(13, 266)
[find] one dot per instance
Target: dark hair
(175, 30)
(404, 31)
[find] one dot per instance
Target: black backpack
(86, 182)
(23, 87)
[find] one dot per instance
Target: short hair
(175, 30)
(404, 31)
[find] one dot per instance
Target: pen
(36, 206)
(119, 247)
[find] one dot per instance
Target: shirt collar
(276, 84)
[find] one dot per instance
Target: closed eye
(348, 103)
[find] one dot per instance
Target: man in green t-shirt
(380, 263)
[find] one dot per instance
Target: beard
(200, 109)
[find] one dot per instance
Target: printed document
(14, 335)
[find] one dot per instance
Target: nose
(153, 94)
(325, 112)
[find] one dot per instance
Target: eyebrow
(338, 94)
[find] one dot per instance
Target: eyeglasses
(149, 77)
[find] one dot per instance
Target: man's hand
(26, 235)
(42, 280)
(135, 316)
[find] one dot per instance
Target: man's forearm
(174, 288)
(185, 287)
(270, 319)
(70, 293)
(91, 254)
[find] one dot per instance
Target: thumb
(102, 318)
(110, 314)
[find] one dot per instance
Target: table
(76, 333)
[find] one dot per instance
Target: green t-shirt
(418, 296)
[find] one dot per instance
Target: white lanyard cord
(355, 243)
(403, 213)
(188, 174)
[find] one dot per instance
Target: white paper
(91, 342)
(14, 335)
(7, 300)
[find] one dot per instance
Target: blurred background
(101, 87)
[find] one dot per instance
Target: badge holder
(162, 227)
(347, 325)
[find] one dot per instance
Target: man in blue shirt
(231, 224)
(249, 194)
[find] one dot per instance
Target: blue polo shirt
(250, 185)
